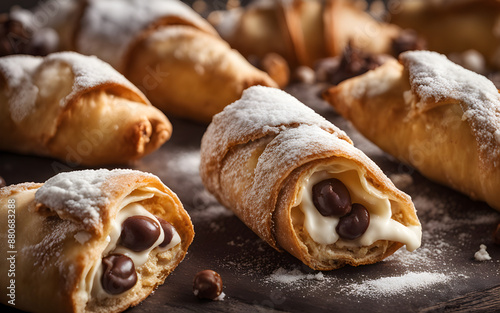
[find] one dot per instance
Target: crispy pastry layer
(256, 158)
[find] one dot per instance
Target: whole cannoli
(166, 49)
(90, 241)
(432, 114)
(454, 26)
(303, 31)
(75, 108)
(299, 183)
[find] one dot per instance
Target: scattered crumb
(285, 276)
(482, 254)
(220, 297)
(304, 74)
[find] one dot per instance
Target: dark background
(28, 4)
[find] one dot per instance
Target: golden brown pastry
(166, 49)
(303, 31)
(453, 26)
(298, 182)
(433, 114)
(75, 108)
(90, 241)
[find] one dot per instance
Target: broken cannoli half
(91, 241)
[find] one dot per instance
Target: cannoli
(303, 31)
(90, 241)
(454, 26)
(299, 183)
(77, 109)
(432, 114)
(166, 49)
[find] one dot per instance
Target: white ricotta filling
(382, 226)
(130, 206)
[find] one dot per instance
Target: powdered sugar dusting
(261, 111)
(266, 108)
(110, 26)
(22, 93)
(282, 275)
(77, 195)
(434, 78)
(89, 72)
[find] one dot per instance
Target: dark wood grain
(478, 301)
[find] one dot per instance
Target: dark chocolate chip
(2, 182)
(118, 274)
(353, 62)
(331, 198)
(207, 285)
(354, 224)
(168, 231)
(496, 235)
(139, 233)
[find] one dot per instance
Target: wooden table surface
(441, 276)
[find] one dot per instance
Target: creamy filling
(129, 207)
(382, 226)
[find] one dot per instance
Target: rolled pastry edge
(65, 252)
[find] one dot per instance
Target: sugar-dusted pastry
(170, 52)
(433, 114)
(90, 241)
(303, 31)
(298, 182)
(451, 26)
(75, 108)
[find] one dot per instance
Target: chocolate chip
(207, 285)
(2, 182)
(168, 231)
(408, 40)
(139, 233)
(354, 224)
(353, 62)
(496, 235)
(118, 274)
(331, 198)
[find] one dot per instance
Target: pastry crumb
(482, 254)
